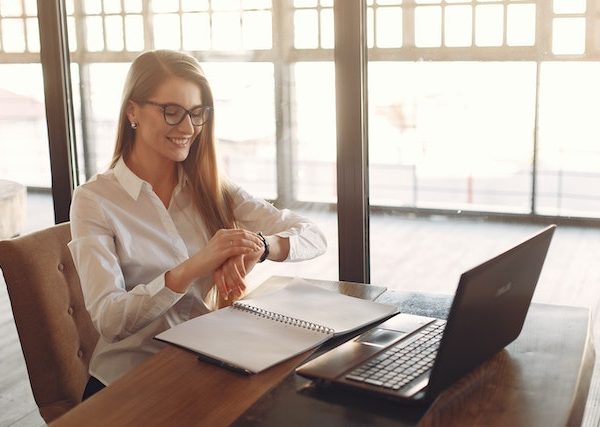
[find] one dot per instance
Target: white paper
(301, 300)
(246, 340)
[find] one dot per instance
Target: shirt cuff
(293, 238)
(161, 294)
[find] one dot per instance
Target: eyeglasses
(174, 114)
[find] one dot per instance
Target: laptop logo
(504, 289)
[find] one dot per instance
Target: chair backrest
(56, 333)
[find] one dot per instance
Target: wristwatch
(266, 245)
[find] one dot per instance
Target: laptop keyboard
(404, 361)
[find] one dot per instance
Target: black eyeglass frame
(163, 107)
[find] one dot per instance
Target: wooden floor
(411, 253)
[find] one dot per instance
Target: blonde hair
(211, 193)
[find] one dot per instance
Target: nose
(186, 124)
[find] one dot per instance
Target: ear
(131, 111)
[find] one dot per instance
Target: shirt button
(70, 311)
(79, 353)
(61, 267)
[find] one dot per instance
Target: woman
(155, 236)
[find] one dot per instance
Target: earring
(133, 125)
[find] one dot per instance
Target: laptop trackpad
(380, 337)
(393, 330)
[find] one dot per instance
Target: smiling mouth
(181, 142)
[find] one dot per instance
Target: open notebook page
(242, 339)
(246, 340)
(301, 300)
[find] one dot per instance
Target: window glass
(451, 135)
(267, 111)
(24, 155)
(568, 150)
(315, 115)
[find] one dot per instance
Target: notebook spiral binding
(283, 319)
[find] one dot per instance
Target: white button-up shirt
(124, 240)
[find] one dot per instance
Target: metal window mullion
(543, 50)
(544, 29)
(352, 148)
(285, 133)
(104, 28)
(87, 144)
(473, 25)
(408, 23)
(24, 18)
(505, 24)
(123, 15)
(319, 38)
(54, 54)
(210, 24)
(591, 27)
(148, 25)
(80, 33)
(241, 20)
(180, 14)
(536, 132)
(443, 25)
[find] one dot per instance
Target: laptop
(414, 358)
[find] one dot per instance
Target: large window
(569, 134)
(274, 117)
(467, 105)
(453, 135)
(23, 133)
(482, 106)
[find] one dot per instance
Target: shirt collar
(128, 180)
(133, 184)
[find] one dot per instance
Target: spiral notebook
(256, 333)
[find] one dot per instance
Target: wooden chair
(56, 333)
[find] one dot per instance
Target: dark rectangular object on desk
(414, 358)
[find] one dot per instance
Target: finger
(241, 283)
(241, 266)
(229, 277)
(239, 278)
(248, 243)
(238, 236)
(239, 290)
(237, 295)
(227, 244)
(247, 233)
(221, 284)
(234, 251)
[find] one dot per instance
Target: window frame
(350, 56)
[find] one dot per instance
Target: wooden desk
(540, 379)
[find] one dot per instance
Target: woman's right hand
(225, 243)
